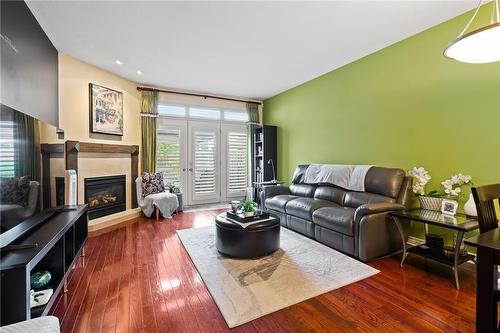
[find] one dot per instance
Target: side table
(460, 223)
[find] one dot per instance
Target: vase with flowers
(430, 200)
(453, 189)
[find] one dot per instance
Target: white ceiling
(246, 49)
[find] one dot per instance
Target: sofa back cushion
(384, 181)
(356, 199)
(302, 190)
(330, 193)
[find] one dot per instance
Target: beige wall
(74, 79)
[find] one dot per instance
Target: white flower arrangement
(422, 178)
(458, 181)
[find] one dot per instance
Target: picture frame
(106, 110)
(449, 207)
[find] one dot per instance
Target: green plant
(434, 194)
(248, 205)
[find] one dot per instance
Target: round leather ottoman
(256, 240)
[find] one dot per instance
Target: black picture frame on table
(92, 111)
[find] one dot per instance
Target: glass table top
(458, 222)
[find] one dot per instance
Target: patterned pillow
(152, 183)
(14, 191)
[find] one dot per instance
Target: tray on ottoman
(245, 219)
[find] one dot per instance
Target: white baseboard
(113, 219)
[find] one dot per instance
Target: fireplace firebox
(105, 195)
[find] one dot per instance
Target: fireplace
(105, 195)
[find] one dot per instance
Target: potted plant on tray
(248, 207)
(431, 200)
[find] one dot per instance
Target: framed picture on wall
(106, 110)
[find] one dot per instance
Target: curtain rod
(197, 95)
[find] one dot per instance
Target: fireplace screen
(105, 195)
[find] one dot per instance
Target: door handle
(183, 169)
(190, 169)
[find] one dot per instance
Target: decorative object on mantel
(470, 206)
(481, 45)
(430, 201)
(106, 110)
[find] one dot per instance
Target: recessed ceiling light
(139, 72)
(118, 62)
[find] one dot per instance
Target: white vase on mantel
(470, 206)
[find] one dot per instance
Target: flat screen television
(20, 167)
(29, 102)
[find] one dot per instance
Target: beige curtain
(149, 112)
(253, 121)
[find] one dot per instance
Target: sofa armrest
(274, 190)
(271, 191)
(374, 208)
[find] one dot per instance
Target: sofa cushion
(330, 193)
(356, 199)
(14, 191)
(152, 183)
(384, 181)
(304, 207)
(302, 190)
(337, 218)
(278, 202)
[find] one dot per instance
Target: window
(204, 113)
(168, 156)
(7, 149)
(172, 110)
(205, 162)
(236, 115)
(236, 161)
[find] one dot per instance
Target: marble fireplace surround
(74, 148)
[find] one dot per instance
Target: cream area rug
(246, 289)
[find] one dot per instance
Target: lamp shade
(477, 47)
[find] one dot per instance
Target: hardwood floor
(139, 278)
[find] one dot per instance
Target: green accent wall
(403, 106)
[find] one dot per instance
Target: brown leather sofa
(355, 223)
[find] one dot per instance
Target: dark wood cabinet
(265, 153)
(59, 241)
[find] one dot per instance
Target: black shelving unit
(60, 241)
(265, 141)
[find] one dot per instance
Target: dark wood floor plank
(139, 278)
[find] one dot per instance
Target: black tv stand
(19, 247)
(60, 241)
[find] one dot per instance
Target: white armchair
(165, 203)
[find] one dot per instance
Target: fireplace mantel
(73, 148)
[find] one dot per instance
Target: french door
(206, 159)
(204, 174)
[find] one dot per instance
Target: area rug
(248, 289)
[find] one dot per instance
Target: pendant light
(479, 46)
